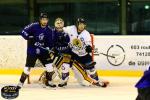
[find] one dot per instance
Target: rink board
(125, 52)
(129, 73)
(129, 55)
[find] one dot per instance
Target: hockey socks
(23, 77)
(49, 79)
(94, 76)
(22, 80)
(65, 77)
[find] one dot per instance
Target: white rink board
(135, 50)
(12, 52)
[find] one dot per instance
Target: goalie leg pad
(62, 59)
(65, 67)
(65, 73)
(49, 67)
(66, 58)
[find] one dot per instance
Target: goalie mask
(59, 24)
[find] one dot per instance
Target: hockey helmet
(43, 15)
(80, 20)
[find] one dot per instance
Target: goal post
(92, 41)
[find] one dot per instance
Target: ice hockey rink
(120, 88)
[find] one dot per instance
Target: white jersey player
(78, 40)
(81, 48)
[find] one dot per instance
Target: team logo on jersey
(41, 36)
(77, 43)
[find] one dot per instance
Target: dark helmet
(80, 20)
(43, 15)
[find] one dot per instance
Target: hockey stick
(44, 48)
(50, 51)
(56, 71)
(107, 55)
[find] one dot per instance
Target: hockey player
(63, 57)
(61, 45)
(80, 43)
(143, 86)
(61, 49)
(61, 38)
(38, 35)
(64, 61)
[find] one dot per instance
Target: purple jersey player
(38, 35)
(143, 86)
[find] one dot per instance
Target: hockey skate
(62, 84)
(101, 83)
(50, 84)
(19, 86)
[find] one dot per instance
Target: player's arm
(27, 32)
(88, 42)
(67, 29)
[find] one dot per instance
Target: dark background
(104, 17)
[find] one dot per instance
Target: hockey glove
(88, 49)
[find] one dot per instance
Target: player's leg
(65, 74)
(57, 63)
(64, 64)
(48, 63)
(81, 75)
(79, 71)
(143, 94)
(89, 66)
(139, 97)
(30, 62)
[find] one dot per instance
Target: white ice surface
(120, 88)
